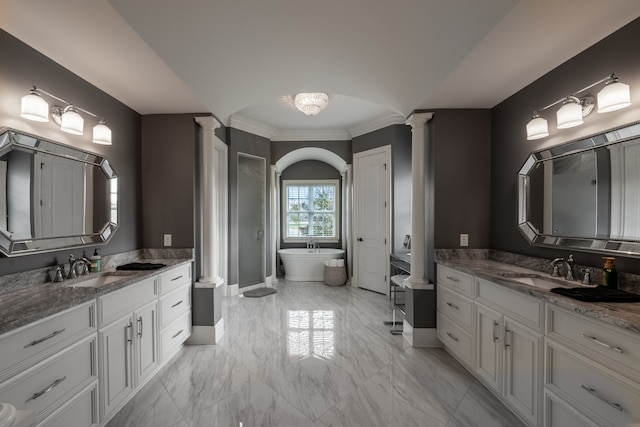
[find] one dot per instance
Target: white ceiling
(378, 59)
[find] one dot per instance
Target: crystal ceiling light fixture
(34, 107)
(614, 96)
(311, 103)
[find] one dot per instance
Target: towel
(597, 294)
(140, 266)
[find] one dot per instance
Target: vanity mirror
(53, 196)
(584, 194)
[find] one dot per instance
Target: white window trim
(292, 182)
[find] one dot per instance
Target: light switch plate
(464, 240)
(167, 239)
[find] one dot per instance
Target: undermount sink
(102, 279)
(536, 280)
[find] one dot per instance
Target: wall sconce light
(34, 107)
(614, 96)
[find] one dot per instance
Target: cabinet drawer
(174, 304)
(457, 307)
(558, 413)
(456, 339)
(175, 334)
(174, 278)
(525, 309)
(43, 388)
(121, 302)
(456, 280)
(81, 411)
(596, 391)
(28, 345)
(612, 346)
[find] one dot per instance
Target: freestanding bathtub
(306, 265)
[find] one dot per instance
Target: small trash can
(334, 275)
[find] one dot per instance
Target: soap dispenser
(609, 273)
(96, 261)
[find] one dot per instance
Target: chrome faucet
(312, 244)
(568, 262)
(73, 267)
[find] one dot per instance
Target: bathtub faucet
(312, 245)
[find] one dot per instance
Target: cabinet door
(522, 369)
(146, 331)
(116, 376)
(489, 346)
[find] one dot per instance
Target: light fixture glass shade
(569, 115)
(311, 103)
(34, 107)
(102, 133)
(614, 96)
(72, 122)
(537, 128)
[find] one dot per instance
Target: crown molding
(274, 134)
(311, 135)
(252, 126)
(379, 123)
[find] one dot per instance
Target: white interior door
(372, 228)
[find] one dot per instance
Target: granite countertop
(22, 304)
(623, 315)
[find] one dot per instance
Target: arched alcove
(311, 153)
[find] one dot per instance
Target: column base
(420, 337)
(206, 335)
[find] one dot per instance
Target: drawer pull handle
(176, 278)
(129, 330)
(141, 326)
(179, 332)
(604, 344)
(46, 390)
(453, 306)
(177, 304)
(507, 338)
(593, 392)
(453, 279)
(453, 337)
(51, 335)
(496, 325)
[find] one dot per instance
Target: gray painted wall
(614, 54)
(21, 68)
(462, 177)
(243, 142)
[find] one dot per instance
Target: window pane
(310, 210)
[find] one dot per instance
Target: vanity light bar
(35, 108)
(614, 96)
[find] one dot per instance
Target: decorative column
(208, 324)
(418, 330)
(275, 223)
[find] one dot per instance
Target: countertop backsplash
(15, 281)
(626, 282)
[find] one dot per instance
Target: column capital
(208, 122)
(418, 119)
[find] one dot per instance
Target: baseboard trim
(232, 290)
(206, 335)
(420, 337)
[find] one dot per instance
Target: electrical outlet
(464, 240)
(167, 239)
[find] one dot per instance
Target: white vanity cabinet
(128, 341)
(50, 367)
(509, 346)
(455, 313)
(174, 310)
(591, 369)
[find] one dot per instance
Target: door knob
(359, 239)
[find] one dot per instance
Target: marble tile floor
(312, 356)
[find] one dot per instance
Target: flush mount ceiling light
(34, 107)
(311, 103)
(614, 96)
